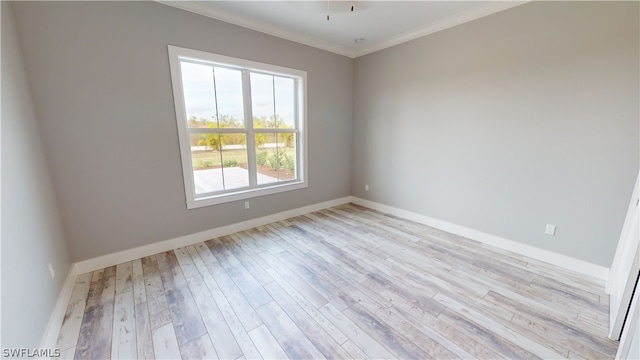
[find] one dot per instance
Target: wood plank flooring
(346, 282)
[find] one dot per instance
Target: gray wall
(504, 124)
(32, 232)
(507, 123)
(100, 78)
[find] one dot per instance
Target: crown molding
(202, 8)
(446, 23)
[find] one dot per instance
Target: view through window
(240, 124)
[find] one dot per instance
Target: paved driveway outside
(210, 180)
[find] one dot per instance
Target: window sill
(244, 194)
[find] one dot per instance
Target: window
(241, 126)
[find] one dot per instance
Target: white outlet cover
(550, 230)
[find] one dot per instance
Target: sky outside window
(200, 97)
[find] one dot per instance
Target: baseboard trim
(50, 336)
(567, 262)
(120, 257)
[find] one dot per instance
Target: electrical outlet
(550, 230)
(366, 187)
(247, 205)
(51, 271)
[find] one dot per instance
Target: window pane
(229, 92)
(284, 102)
(286, 156)
(215, 170)
(275, 157)
(207, 163)
(265, 158)
(199, 95)
(234, 161)
(262, 101)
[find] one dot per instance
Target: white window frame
(176, 54)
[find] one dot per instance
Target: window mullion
(248, 123)
(297, 125)
(215, 95)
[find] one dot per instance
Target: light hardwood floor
(347, 282)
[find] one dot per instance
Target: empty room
(320, 179)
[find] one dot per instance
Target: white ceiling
(381, 23)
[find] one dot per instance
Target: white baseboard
(120, 257)
(567, 262)
(50, 336)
